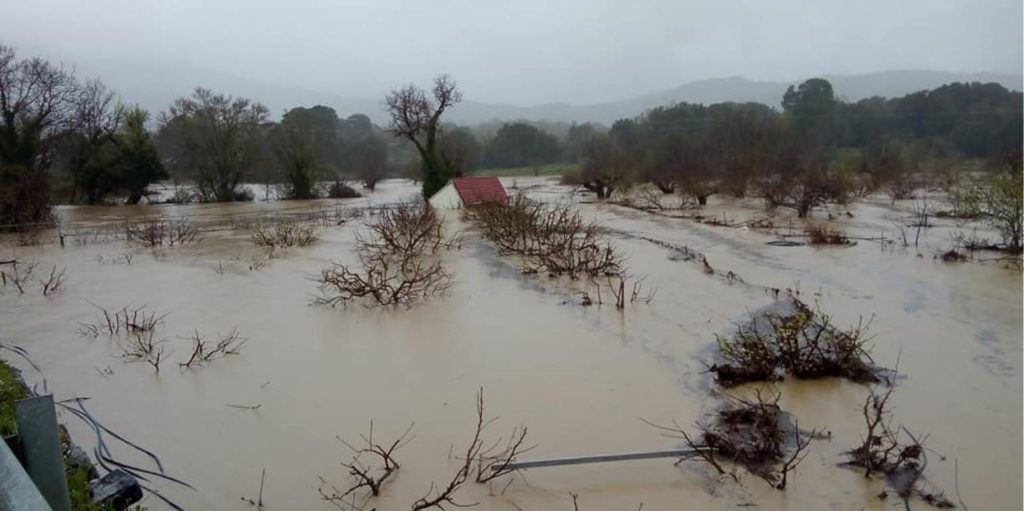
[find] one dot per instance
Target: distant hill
(736, 89)
(154, 86)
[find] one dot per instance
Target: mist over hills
(156, 85)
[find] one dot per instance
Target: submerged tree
(88, 146)
(138, 160)
(788, 173)
(368, 159)
(366, 151)
(417, 118)
(606, 166)
(306, 145)
(215, 138)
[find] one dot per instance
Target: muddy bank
(579, 377)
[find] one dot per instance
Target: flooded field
(580, 378)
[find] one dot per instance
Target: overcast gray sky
(524, 51)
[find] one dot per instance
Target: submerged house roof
(477, 190)
(469, 191)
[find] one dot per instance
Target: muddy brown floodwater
(579, 377)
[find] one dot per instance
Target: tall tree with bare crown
(416, 117)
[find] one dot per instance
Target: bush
(24, 197)
(243, 195)
(801, 341)
(340, 190)
(300, 185)
(966, 198)
(551, 238)
(399, 261)
(161, 232)
(825, 236)
(1004, 206)
(183, 196)
(283, 234)
(405, 229)
(11, 390)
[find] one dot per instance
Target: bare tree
(437, 497)
(54, 282)
(369, 158)
(399, 261)
(96, 117)
(417, 118)
(497, 459)
(661, 162)
(606, 167)
(36, 102)
(883, 451)
(694, 165)
(363, 473)
(37, 99)
(387, 279)
(405, 228)
(204, 351)
(791, 174)
(551, 238)
(20, 273)
(748, 432)
(217, 138)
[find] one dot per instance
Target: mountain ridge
(154, 86)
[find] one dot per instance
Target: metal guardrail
(36, 481)
(40, 447)
(17, 491)
(604, 458)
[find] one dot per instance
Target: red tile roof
(477, 190)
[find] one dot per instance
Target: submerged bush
(182, 196)
(1004, 206)
(399, 261)
(162, 232)
(801, 342)
(339, 190)
(551, 238)
(24, 198)
(283, 234)
(755, 434)
(825, 236)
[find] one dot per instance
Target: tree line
(67, 140)
(49, 119)
(817, 149)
